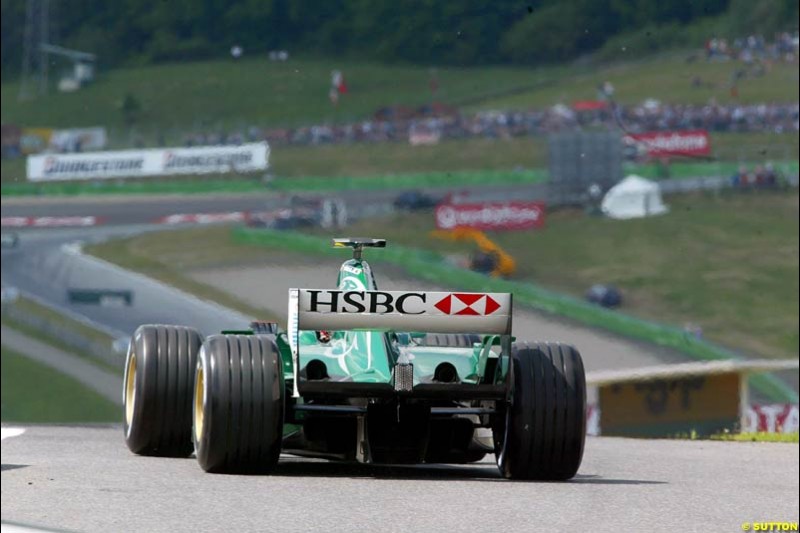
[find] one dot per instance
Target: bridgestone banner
(491, 215)
(143, 163)
(671, 143)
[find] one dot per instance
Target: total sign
(491, 215)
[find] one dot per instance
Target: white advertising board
(143, 163)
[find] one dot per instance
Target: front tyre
(542, 431)
(157, 394)
(238, 404)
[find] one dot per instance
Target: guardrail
(110, 352)
(432, 267)
(705, 183)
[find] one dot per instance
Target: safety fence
(111, 352)
(239, 183)
(682, 177)
(431, 267)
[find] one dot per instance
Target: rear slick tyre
(157, 390)
(238, 404)
(541, 434)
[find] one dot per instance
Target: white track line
(7, 433)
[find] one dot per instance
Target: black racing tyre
(450, 340)
(541, 434)
(157, 390)
(238, 404)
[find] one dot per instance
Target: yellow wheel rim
(199, 403)
(130, 389)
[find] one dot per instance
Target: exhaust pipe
(315, 370)
(446, 373)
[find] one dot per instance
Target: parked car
(414, 200)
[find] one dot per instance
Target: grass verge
(49, 321)
(430, 266)
(728, 262)
(759, 437)
(30, 307)
(34, 393)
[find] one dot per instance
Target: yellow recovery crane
(504, 264)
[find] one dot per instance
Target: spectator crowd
(760, 177)
(648, 116)
(783, 47)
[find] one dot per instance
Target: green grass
(257, 92)
(157, 256)
(48, 338)
(34, 393)
(226, 94)
(204, 95)
(759, 437)
(728, 263)
(55, 318)
(396, 158)
(433, 267)
(31, 307)
(667, 78)
(498, 155)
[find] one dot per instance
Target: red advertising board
(491, 215)
(671, 143)
(590, 105)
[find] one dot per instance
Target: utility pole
(34, 59)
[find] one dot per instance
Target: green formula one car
(362, 375)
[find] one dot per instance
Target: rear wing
(430, 312)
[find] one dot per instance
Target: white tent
(633, 197)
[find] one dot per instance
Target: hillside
(417, 31)
(176, 98)
(731, 265)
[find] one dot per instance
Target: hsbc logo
(442, 312)
(404, 303)
(470, 304)
(366, 302)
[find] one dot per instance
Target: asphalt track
(85, 479)
(45, 265)
(135, 209)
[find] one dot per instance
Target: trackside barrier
(410, 181)
(685, 177)
(241, 183)
(432, 267)
(111, 352)
(704, 398)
